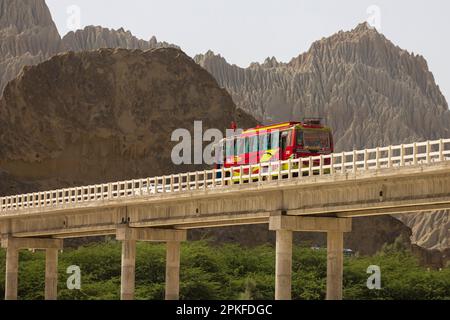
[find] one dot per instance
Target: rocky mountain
(370, 91)
(106, 115)
(29, 36)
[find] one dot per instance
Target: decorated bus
(282, 141)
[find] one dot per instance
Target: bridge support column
(283, 265)
(129, 236)
(127, 279)
(12, 266)
(284, 225)
(172, 270)
(335, 260)
(13, 245)
(51, 274)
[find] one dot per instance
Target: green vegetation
(228, 272)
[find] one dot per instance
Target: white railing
(336, 163)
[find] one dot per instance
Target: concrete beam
(312, 224)
(31, 243)
(150, 234)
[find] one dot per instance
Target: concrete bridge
(316, 194)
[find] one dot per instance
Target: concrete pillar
(283, 265)
(128, 269)
(335, 260)
(12, 269)
(172, 270)
(51, 274)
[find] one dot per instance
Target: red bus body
(283, 141)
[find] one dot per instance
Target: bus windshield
(313, 139)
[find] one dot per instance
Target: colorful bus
(282, 141)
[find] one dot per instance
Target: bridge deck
(404, 178)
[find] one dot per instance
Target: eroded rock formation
(370, 91)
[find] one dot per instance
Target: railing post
(428, 152)
(354, 161)
(321, 165)
(141, 186)
(188, 181)
(332, 163)
(441, 150)
(196, 180)
(402, 155)
(414, 153)
(389, 156)
(289, 168)
(240, 174)
(171, 183)
(343, 162)
(310, 163)
(366, 159)
(269, 171)
(377, 157)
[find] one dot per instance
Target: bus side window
(230, 147)
(263, 142)
(299, 138)
(284, 140)
(247, 145)
(240, 146)
(253, 144)
(274, 140)
(219, 154)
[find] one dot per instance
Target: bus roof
(278, 126)
(282, 126)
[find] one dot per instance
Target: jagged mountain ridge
(29, 36)
(96, 37)
(370, 91)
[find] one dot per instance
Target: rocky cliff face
(370, 91)
(106, 115)
(27, 36)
